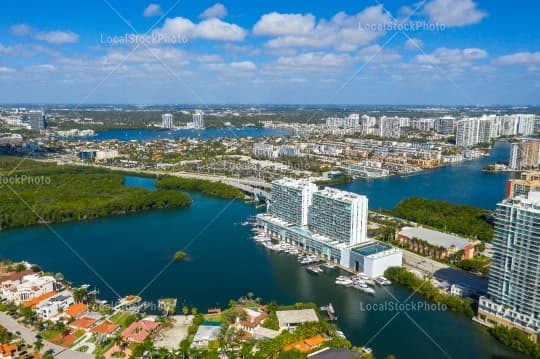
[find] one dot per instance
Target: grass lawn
(124, 319)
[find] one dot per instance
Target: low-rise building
(290, 319)
(206, 333)
(28, 287)
(106, 329)
(261, 333)
(50, 308)
(138, 331)
(434, 243)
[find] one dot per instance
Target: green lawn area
(48, 334)
(124, 319)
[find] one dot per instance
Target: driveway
(444, 272)
(29, 337)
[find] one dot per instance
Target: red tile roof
(305, 345)
(76, 309)
(83, 323)
(33, 302)
(139, 331)
(13, 276)
(105, 328)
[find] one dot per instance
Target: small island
(180, 256)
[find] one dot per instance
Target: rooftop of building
(372, 248)
(334, 353)
(340, 195)
(139, 331)
(296, 316)
(83, 323)
(35, 301)
(434, 237)
(294, 183)
(265, 332)
(207, 332)
(76, 309)
(105, 328)
(530, 202)
(305, 345)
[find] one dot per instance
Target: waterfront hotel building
(330, 223)
(514, 279)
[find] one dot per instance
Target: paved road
(30, 337)
(443, 272)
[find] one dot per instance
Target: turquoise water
(134, 255)
(142, 135)
(460, 183)
(142, 182)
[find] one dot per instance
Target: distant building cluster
(525, 155)
(329, 222)
(167, 121)
(268, 151)
(37, 120)
(469, 131)
(476, 130)
(98, 155)
(198, 120)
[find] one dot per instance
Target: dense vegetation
(51, 193)
(460, 219)
(215, 189)
(426, 289)
(516, 339)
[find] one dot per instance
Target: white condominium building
(390, 127)
(514, 284)
(340, 215)
(198, 120)
(167, 120)
(291, 200)
(472, 131)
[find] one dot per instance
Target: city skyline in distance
(436, 52)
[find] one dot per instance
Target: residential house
(106, 329)
(290, 319)
(137, 332)
(206, 333)
(52, 307)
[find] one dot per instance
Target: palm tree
(194, 311)
(250, 295)
(185, 310)
(38, 345)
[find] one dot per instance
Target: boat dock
(329, 310)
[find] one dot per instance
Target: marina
(359, 281)
(144, 243)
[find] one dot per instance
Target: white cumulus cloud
(209, 29)
(21, 30)
(342, 32)
(58, 37)
(413, 44)
(276, 24)
(454, 12)
(519, 58)
(6, 70)
(215, 11)
(454, 57)
(152, 10)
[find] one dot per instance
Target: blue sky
(468, 52)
